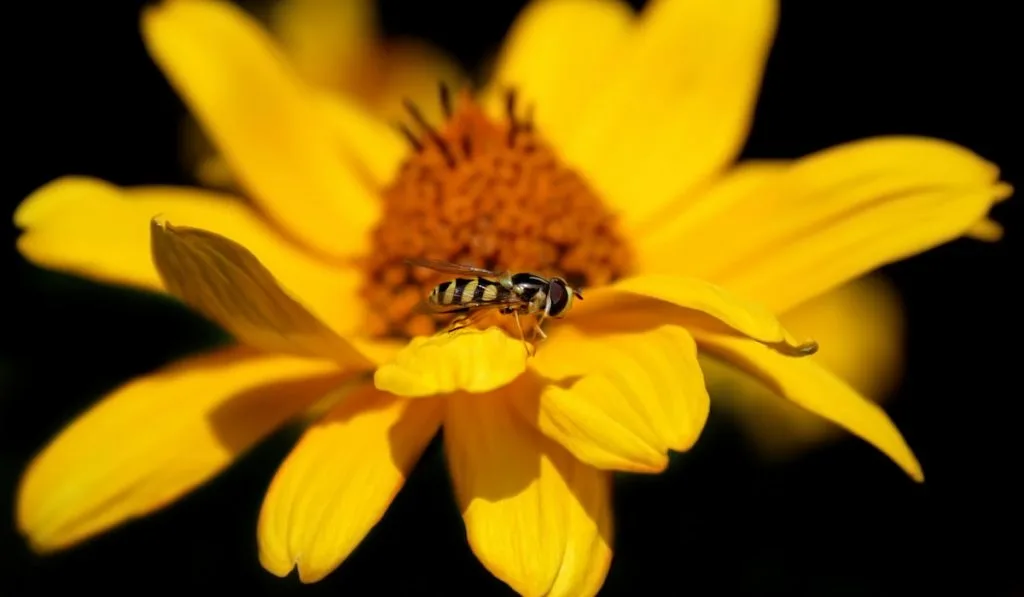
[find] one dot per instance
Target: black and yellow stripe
(467, 291)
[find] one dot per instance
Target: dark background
(84, 98)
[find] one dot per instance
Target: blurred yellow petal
(409, 69)
(536, 517)
(340, 478)
(260, 116)
(328, 41)
(621, 401)
(812, 387)
(377, 148)
(470, 360)
(690, 301)
(860, 328)
(156, 438)
(213, 172)
(89, 227)
(986, 230)
(831, 217)
(226, 283)
(677, 102)
(555, 56)
(201, 159)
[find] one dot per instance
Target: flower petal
(555, 56)
(698, 224)
(226, 283)
(860, 328)
(831, 217)
(328, 42)
(677, 104)
(89, 227)
(811, 386)
(536, 517)
(687, 301)
(986, 230)
(376, 148)
(156, 438)
(625, 399)
(469, 360)
(263, 120)
(340, 478)
(409, 69)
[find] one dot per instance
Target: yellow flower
(618, 180)
(337, 45)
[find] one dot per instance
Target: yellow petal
(328, 41)
(814, 388)
(654, 299)
(156, 438)
(623, 400)
(225, 282)
(698, 223)
(833, 216)
(201, 159)
(376, 148)
(409, 69)
(536, 517)
(555, 56)
(263, 120)
(860, 328)
(677, 103)
(340, 478)
(470, 360)
(985, 229)
(89, 227)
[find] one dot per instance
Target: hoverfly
(510, 293)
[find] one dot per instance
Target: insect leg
(522, 336)
(537, 329)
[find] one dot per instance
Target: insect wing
(452, 268)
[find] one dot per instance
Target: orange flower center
(487, 194)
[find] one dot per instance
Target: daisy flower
(613, 169)
(337, 45)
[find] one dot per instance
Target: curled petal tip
(804, 349)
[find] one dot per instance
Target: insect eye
(558, 295)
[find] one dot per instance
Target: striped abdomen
(467, 292)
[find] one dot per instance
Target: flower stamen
(488, 193)
(431, 132)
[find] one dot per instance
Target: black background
(83, 97)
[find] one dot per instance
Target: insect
(510, 293)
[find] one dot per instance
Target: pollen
(487, 193)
